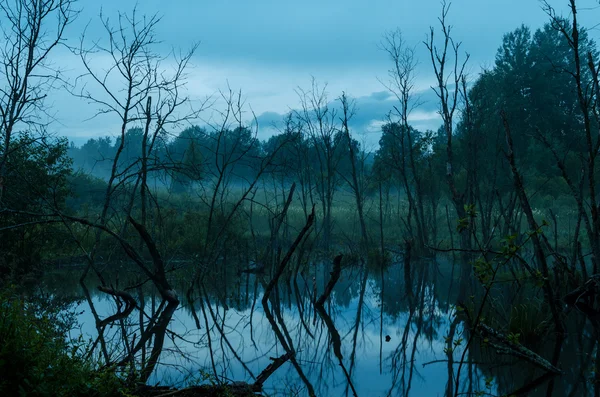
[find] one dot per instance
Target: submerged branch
(269, 370)
(506, 346)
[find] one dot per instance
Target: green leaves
(514, 338)
(484, 271)
(466, 222)
(36, 360)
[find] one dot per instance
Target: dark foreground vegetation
(171, 215)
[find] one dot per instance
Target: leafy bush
(37, 360)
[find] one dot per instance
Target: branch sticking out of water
(504, 345)
(288, 256)
(269, 370)
(335, 275)
(130, 304)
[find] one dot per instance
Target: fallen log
(236, 389)
(271, 368)
(505, 345)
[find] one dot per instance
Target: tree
(30, 32)
(187, 154)
(319, 122)
(43, 170)
(126, 91)
(357, 183)
(450, 86)
(401, 82)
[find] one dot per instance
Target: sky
(268, 49)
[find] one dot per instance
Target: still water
(392, 342)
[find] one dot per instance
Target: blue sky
(269, 48)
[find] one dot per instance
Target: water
(389, 347)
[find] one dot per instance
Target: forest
(193, 255)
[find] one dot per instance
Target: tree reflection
(332, 333)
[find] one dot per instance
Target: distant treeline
(530, 83)
(181, 159)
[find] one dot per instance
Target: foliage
(37, 360)
(37, 177)
(37, 173)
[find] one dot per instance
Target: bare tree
(140, 91)
(448, 94)
(234, 147)
(357, 184)
(450, 73)
(31, 30)
(319, 121)
(401, 84)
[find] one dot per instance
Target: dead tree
(357, 183)
(30, 30)
(137, 90)
(448, 67)
(401, 84)
(319, 122)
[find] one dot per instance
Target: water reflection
(376, 334)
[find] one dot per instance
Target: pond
(373, 337)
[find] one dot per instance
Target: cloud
(371, 114)
(420, 116)
(268, 48)
(381, 95)
(313, 32)
(270, 120)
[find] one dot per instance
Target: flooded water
(373, 338)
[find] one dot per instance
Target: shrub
(37, 360)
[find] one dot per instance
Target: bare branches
(448, 55)
(401, 76)
(309, 222)
(319, 122)
(357, 184)
(316, 115)
(30, 31)
(140, 87)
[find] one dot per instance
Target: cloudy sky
(269, 48)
